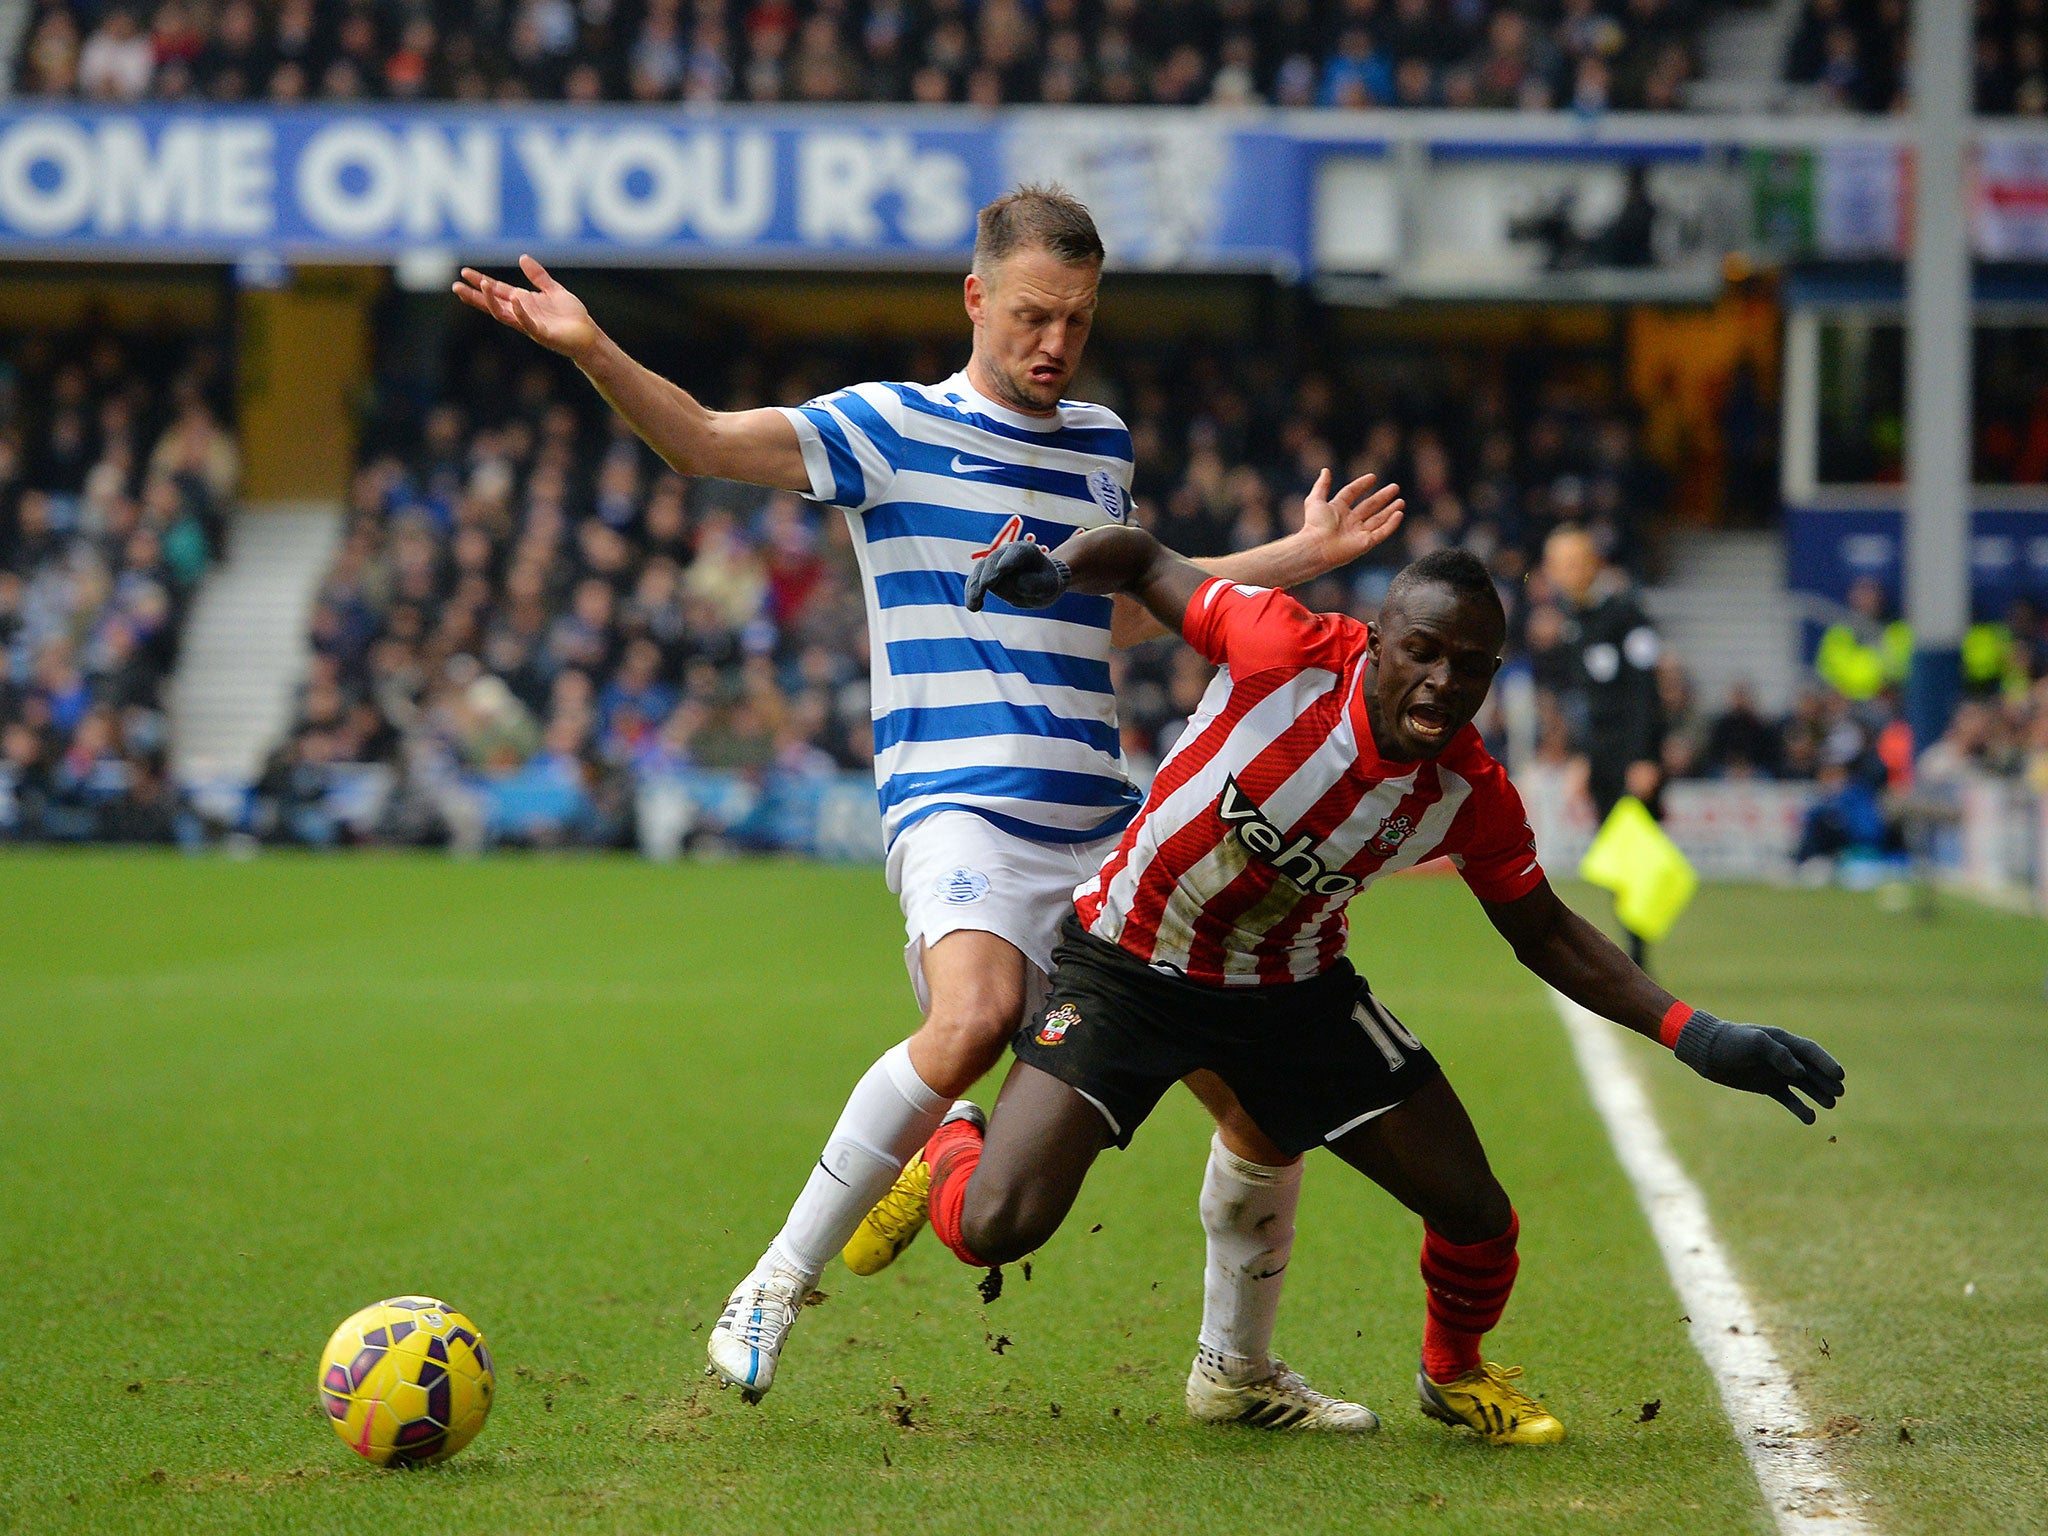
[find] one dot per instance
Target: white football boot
(747, 1340)
(1277, 1400)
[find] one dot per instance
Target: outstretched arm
(1579, 960)
(1335, 530)
(759, 447)
(1589, 968)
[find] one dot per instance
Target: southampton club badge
(1109, 495)
(1392, 834)
(1057, 1023)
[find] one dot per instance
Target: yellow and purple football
(406, 1381)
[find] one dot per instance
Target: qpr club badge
(1114, 500)
(962, 887)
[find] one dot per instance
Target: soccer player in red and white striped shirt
(1326, 754)
(1277, 806)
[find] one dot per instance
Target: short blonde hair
(1041, 215)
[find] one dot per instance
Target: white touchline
(1790, 1461)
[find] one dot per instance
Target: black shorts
(1309, 1060)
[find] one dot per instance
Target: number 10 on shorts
(1385, 1030)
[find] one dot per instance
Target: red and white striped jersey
(1275, 808)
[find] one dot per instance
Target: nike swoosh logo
(962, 467)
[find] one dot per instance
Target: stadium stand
(1850, 55)
(1587, 54)
(532, 621)
(535, 633)
(115, 479)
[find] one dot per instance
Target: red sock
(954, 1153)
(1467, 1287)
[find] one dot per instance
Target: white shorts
(955, 871)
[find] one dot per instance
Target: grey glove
(1020, 573)
(1758, 1058)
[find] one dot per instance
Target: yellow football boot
(896, 1219)
(1487, 1400)
(901, 1214)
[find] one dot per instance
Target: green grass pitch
(238, 1100)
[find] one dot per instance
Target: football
(406, 1381)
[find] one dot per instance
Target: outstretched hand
(547, 312)
(1760, 1058)
(1357, 519)
(1020, 573)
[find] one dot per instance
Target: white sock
(1248, 1213)
(889, 1115)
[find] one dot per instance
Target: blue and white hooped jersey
(1007, 713)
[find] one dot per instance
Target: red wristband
(1675, 1019)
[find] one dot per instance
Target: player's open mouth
(1428, 721)
(1045, 375)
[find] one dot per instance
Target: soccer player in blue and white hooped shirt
(996, 743)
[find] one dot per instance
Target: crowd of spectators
(1847, 732)
(2004, 734)
(1532, 54)
(2011, 58)
(533, 621)
(528, 620)
(532, 618)
(115, 477)
(1852, 55)
(533, 624)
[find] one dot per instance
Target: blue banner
(879, 187)
(1828, 548)
(596, 184)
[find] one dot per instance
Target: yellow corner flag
(1650, 876)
